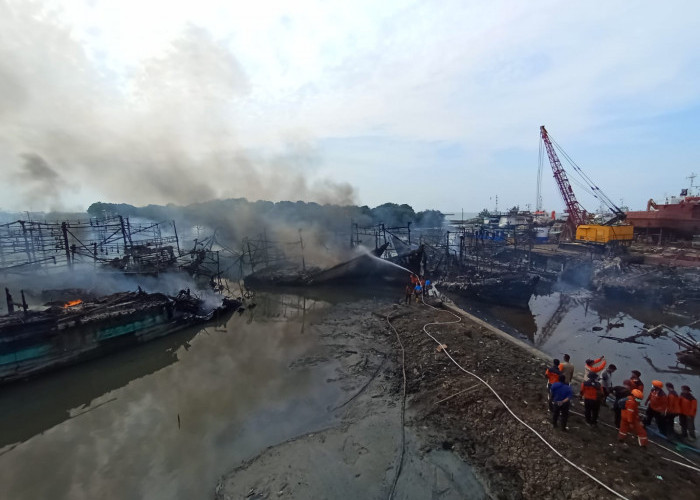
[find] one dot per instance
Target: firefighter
(591, 391)
(636, 382)
(621, 392)
(630, 418)
(689, 407)
(594, 365)
(674, 408)
(552, 373)
(418, 291)
(409, 292)
(657, 406)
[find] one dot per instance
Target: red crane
(577, 215)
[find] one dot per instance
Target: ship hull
(38, 342)
(682, 218)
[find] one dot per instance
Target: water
(575, 322)
(167, 419)
(389, 263)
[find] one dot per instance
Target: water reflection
(168, 429)
(29, 408)
(575, 322)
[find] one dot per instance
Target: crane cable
(592, 185)
(459, 319)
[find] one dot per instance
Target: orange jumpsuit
(689, 407)
(630, 422)
(657, 409)
(674, 409)
(595, 367)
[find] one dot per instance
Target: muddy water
(167, 419)
(577, 322)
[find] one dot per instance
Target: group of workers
(417, 287)
(596, 387)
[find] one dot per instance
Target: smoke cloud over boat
(166, 131)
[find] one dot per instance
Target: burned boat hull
(369, 267)
(38, 341)
(512, 291)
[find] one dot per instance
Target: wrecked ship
(36, 341)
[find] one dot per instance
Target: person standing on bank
(594, 365)
(674, 409)
(657, 406)
(561, 395)
(552, 373)
(409, 292)
(630, 419)
(689, 407)
(567, 369)
(606, 382)
(620, 392)
(591, 392)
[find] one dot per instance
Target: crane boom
(577, 215)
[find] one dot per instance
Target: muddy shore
(457, 440)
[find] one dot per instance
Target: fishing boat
(64, 333)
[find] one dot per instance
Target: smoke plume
(73, 130)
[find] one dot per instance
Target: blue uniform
(560, 391)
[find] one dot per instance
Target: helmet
(637, 393)
(657, 383)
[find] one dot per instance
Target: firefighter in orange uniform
(592, 392)
(552, 373)
(630, 418)
(674, 408)
(689, 407)
(657, 406)
(593, 365)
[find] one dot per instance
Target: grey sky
(433, 104)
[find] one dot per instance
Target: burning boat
(32, 342)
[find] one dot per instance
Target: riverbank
(360, 456)
(454, 424)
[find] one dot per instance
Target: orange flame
(72, 303)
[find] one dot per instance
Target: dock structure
(112, 243)
(31, 245)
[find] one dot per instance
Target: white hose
(459, 320)
(681, 463)
(652, 442)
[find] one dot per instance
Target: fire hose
(458, 320)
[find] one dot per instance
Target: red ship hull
(682, 217)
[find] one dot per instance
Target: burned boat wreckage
(369, 266)
(393, 262)
(64, 333)
(79, 323)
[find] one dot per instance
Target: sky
(434, 104)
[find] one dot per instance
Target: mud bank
(459, 441)
(359, 457)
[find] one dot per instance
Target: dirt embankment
(454, 425)
(455, 409)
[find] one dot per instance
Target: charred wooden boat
(366, 267)
(512, 290)
(62, 334)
